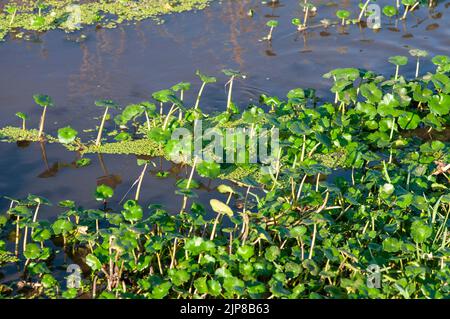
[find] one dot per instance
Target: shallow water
(127, 64)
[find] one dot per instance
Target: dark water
(127, 64)
(51, 172)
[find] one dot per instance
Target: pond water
(127, 64)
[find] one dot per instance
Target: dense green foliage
(309, 235)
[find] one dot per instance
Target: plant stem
(302, 157)
(417, 67)
(305, 19)
(148, 121)
(229, 93)
(277, 169)
(213, 232)
(171, 111)
(141, 178)
(41, 126)
(13, 17)
(23, 125)
(35, 216)
(390, 139)
(197, 102)
(313, 241)
(336, 94)
(300, 188)
(192, 172)
(180, 114)
(397, 67)
(229, 198)
(16, 252)
(363, 10)
(406, 12)
(172, 261)
(269, 36)
(100, 130)
(189, 183)
(24, 244)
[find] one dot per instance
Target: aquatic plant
(410, 5)
(272, 24)
(221, 209)
(182, 87)
(24, 118)
(418, 54)
(363, 10)
(353, 184)
(232, 74)
(45, 101)
(343, 15)
(398, 61)
(11, 9)
(205, 80)
(67, 135)
(390, 11)
(168, 96)
(140, 178)
(149, 111)
(32, 15)
(106, 104)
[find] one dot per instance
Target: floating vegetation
(71, 15)
(16, 134)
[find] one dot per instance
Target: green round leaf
(67, 135)
(420, 232)
(103, 192)
(220, 207)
